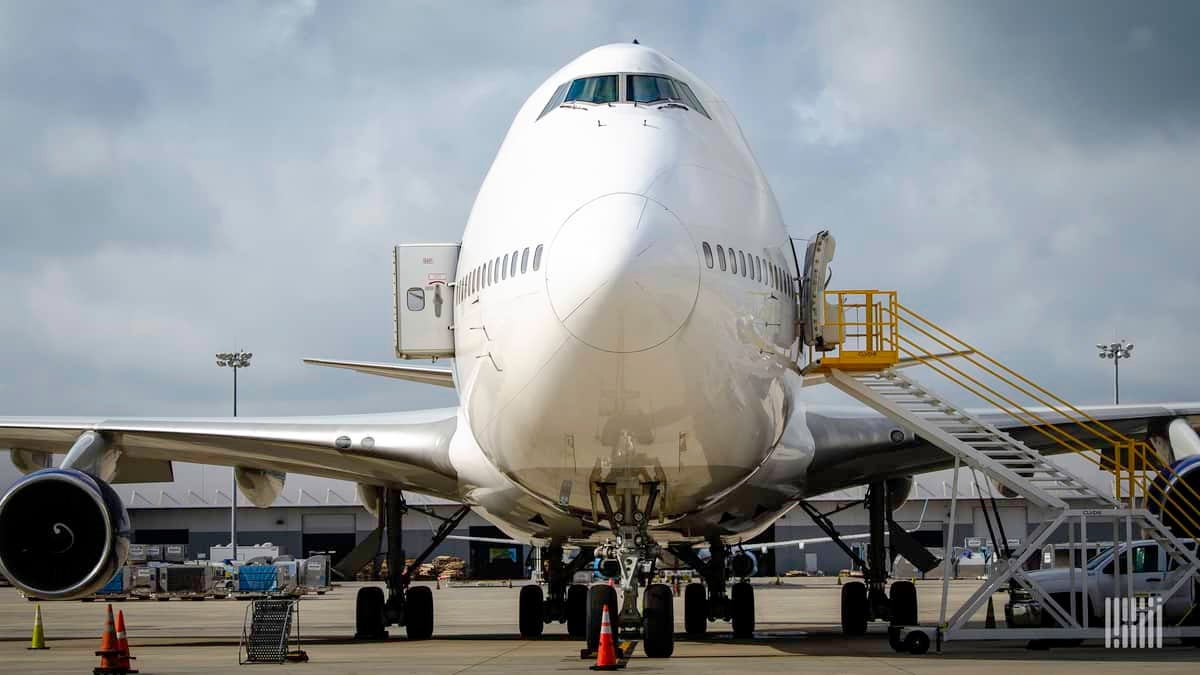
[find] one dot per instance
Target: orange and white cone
(109, 649)
(606, 651)
(123, 657)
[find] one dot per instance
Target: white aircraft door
(812, 307)
(423, 276)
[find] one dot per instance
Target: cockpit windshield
(654, 88)
(607, 89)
(598, 89)
(649, 88)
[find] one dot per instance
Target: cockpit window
(654, 88)
(650, 88)
(598, 89)
(555, 100)
(691, 98)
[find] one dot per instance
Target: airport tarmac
(476, 632)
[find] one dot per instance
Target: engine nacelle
(63, 534)
(743, 564)
(261, 487)
(898, 490)
(1175, 496)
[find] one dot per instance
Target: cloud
(183, 180)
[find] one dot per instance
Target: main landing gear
(711, 601)
(404, 605)
(867, 600)
(566, 602)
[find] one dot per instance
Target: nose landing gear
(635, 554)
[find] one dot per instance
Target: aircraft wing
(853, 447)
(409, 450)
(442, 377)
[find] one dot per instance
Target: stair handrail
(1137, 449)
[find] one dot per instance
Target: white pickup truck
(1152, 573)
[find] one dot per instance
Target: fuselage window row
(755, 268)
(495, 271)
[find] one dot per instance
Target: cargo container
(256, 578)
(143, 579)
(175, 553)
(314, 572)
(154, 553)
(137, 554)
(286, 576)
(182, 580)
(119, 584)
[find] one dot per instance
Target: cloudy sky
(184, 178)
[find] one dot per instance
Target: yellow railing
(1134, 464)
(860, 331)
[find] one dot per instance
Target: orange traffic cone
(123, 657)
(606, 652)
(110, 651)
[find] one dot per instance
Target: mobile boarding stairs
(857, 338)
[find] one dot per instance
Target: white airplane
(621, 314)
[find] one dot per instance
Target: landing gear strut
(868, 600)
(404, 605)
(735, 605)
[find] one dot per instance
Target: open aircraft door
(813, 308)
(423, 276)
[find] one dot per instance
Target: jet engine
(898, 490)
(63, 534)
(1176, 493)
(261, 487)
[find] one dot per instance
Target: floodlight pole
(1116, 351)
(234, 361)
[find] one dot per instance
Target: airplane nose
(623, 273)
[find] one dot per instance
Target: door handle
(1154, 579)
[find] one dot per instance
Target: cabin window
(504, 267)
(758, 264)
(537, 258)
(487, 274)
(416, 299)
(525, 260)
(598, 89)
(732, 262)
(512, 270)
(721, 257)
(708, 259)
(555, 100)
(742, 259)
(496, 271)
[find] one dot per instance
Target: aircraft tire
(903, 596)
(530, 611)
(368, 614)
(418, 613)
(695, 610)
(658, 605)
(577, 606)
(854, 608)
(742, 596)
(599, 596)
